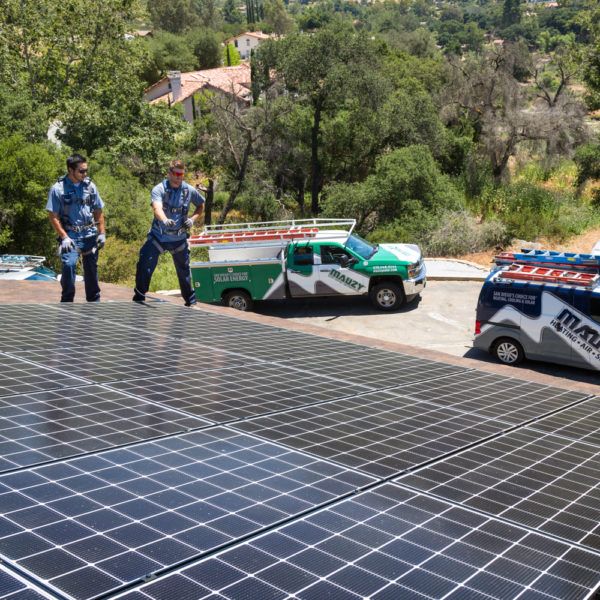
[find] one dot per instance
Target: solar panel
(90, 525)
(543, 481)
(512, 400)
(388, 544)
(102, 363)
(14, 587)
(241, 392)
(381, 433)
(22, 377)
(581, 422)
(46, 426)
(377, 368)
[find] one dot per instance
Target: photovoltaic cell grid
(543, 481)
(36, 428)
(22, 377)
(512, 400)
(381, 433)
(90, 525)
(13, 587)
(99, 363)
(228, 394)
(377, 368)
(388, 544)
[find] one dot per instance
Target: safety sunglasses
(178, 173)
(82, 171)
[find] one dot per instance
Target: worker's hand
(101, 240)
(168, 223)
(188, 223)
(66, 245)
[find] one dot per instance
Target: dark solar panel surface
(390, 544)
(23, 377)
(236, 393)
(45, 426)
(380, 433)
(89, 525)
(102, 488)
(540, 480)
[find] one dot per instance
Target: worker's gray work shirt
(75, 205)
(175, 204)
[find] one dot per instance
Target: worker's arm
(159, 213)
(56, 225)
(99, 220)
(197, 213)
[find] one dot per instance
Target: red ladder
(263, 235)
(549, 275)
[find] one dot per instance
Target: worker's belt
(79, 228)
(162, 250)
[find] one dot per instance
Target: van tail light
(477, 327)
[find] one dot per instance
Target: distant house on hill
(180, 88)
(248, 41)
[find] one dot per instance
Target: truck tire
(508, 351)
(387, 296)
(238, 299)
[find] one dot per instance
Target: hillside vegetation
(462, 126)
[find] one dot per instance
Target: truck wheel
(387, 296)
(238, 299)
(508, 351)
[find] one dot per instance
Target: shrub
(117, 261)
(459, 233)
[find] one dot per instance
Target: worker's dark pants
(86, 247)
(147, 263)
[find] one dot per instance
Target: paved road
(443, 320)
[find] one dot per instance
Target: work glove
(169, 223)
(188, 223)
(101, 240)
(66, 245)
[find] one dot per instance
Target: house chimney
(175, 83)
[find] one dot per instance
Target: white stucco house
(248, 41)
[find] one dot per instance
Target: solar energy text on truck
(301, 258)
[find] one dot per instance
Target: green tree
(230, 12)
(276, 17)
(27, 170)
(207, 48)
(175, 16)
(511, 12)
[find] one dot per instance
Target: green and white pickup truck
(301, 258)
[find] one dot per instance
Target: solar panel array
(152, 451)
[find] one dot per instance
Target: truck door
(336, 273)
(302, 274)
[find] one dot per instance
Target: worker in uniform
(75, 211)
(169, 232)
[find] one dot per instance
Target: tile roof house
(180, 88)
(248, 41)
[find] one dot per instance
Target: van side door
(337, 274)
(585, 329)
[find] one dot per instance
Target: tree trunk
(241, 176)
(301, 184)
(210, 197)
(315, 165)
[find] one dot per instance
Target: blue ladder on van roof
(549, 256)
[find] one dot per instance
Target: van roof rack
(521, 272)
(271, 231)
(570, 259)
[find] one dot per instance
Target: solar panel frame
(15, 587)
(388, 543)
(56, 424)
(545, 482)
(153, 505)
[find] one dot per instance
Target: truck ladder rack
(549, 257)
(522, 272)
(270, 231)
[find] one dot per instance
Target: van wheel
(238, 299)
(508, 351)
(387, 296)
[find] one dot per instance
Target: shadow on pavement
(326, 307)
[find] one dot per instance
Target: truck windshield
(360, 246)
